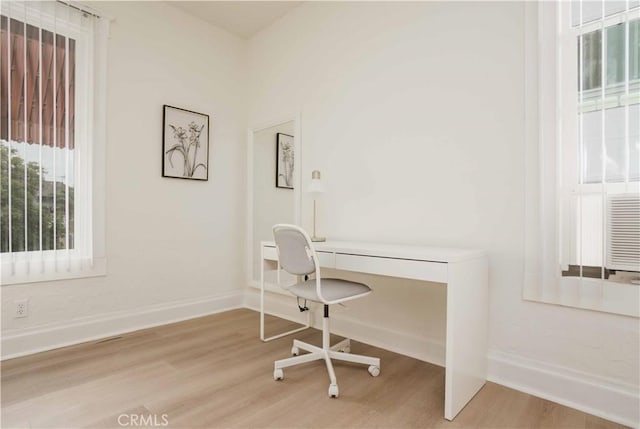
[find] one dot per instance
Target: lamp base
(318, 239)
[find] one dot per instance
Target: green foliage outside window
(52, 238)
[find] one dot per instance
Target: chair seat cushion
(332, 289)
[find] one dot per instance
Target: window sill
(589, 294)
(97, 269)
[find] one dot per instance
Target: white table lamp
(315, 189)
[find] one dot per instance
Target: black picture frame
(285, 157)
(183, 133)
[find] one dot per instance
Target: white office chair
(298, 257)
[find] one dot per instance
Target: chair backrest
(295, 251)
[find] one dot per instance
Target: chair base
(340, 351)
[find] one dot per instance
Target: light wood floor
(214, 372)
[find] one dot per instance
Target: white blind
(50, 66)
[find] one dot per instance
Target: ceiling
(242, 18)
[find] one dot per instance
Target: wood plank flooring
(214, 372)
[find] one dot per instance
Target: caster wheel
(374, 370)
(295, 351)
(278, 374)
(333, 391)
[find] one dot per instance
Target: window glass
(614, 6)
(615, 54)
(592, 147)
(615, 144)
(634, 49)
(591, 10)
(634, 142)
(591, 60)
(621, 157)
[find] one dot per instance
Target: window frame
(572, 187)
(550, 103)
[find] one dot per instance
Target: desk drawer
(325, 259)
(270, 253)
(392, 267)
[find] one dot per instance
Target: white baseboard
(601, 397)
(41, 338)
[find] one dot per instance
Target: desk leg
(467, 329)
(308, 324)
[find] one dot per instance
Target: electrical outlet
(22, 308)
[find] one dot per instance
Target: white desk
(465, 272)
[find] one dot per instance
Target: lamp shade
(316, 188)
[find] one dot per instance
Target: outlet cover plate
(22, 308)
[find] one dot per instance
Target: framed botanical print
(185, 144)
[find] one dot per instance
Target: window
(621, 95)
(50, 131)
(38, 190)
(583, 193)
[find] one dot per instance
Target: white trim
(28, 341)
(585, 293)
(609, 399)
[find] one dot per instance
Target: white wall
(169, 241)
(414, 113)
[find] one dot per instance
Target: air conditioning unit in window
(623, 232)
